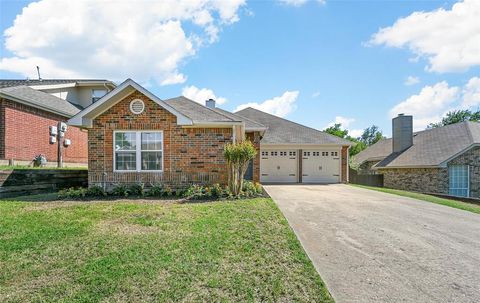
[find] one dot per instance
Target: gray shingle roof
(40, 99)
(28, 82)
(196, 111)
(249, 124)
(431, 147)
(282, 131)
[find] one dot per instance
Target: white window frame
(138, 151)
(468, 181)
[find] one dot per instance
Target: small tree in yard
(238, 155)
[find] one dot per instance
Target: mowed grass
(141, 251)
(474, 208)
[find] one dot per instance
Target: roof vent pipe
(210, 103)
(402, 133)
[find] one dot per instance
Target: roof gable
(431, 147)
(86, 116)
(283, 131)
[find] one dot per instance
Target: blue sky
(316, 62)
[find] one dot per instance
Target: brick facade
(434, 180)
(344, 164)
(427, 180)
(24, 133)
(254, 137)
(190, 155)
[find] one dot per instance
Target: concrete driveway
(370, 246)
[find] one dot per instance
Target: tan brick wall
(190, 155)
(434, 180)
(427, 180)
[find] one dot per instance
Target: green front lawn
(139, 251)
(474, 208)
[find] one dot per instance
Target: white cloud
(355, 133)
(429, 105)
(316, 94)
(278, 106)
(433, 102)
(449, 39)
(145, 40)
(298, 3)
(201, 95)
(345, 122)
(471, 93)
(411, 80)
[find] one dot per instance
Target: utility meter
(67, 142)
(53, 130)
(63, 127)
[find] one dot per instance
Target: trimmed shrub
(96, 191)
(119, 190)
(72, 193)
(137, 189)
(156, 190)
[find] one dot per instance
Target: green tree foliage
(457, 116)
(238, 155)
(337, 130)
(370, 136)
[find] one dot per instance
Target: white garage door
(320, 166)
(278, 166)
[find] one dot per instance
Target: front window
(138, 151)
(97, 94)
(458, 180)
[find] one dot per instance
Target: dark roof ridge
(199, 104)
(240, 116)
(289, 121)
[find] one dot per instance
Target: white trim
(95, 109)
(138, 152)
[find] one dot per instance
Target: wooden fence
(369, 180)
(19, 182)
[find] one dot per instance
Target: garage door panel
(278, 166)
(320, 166)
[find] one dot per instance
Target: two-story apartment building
(29, 107)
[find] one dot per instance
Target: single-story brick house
(29, 107)
(443, 160)
(134, 136)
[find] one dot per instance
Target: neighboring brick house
(29, 107)
(136, 137)
(444, 160)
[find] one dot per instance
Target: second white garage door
(278, 166)
(320, 166)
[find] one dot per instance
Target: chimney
(210, 103)
(402, 132)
